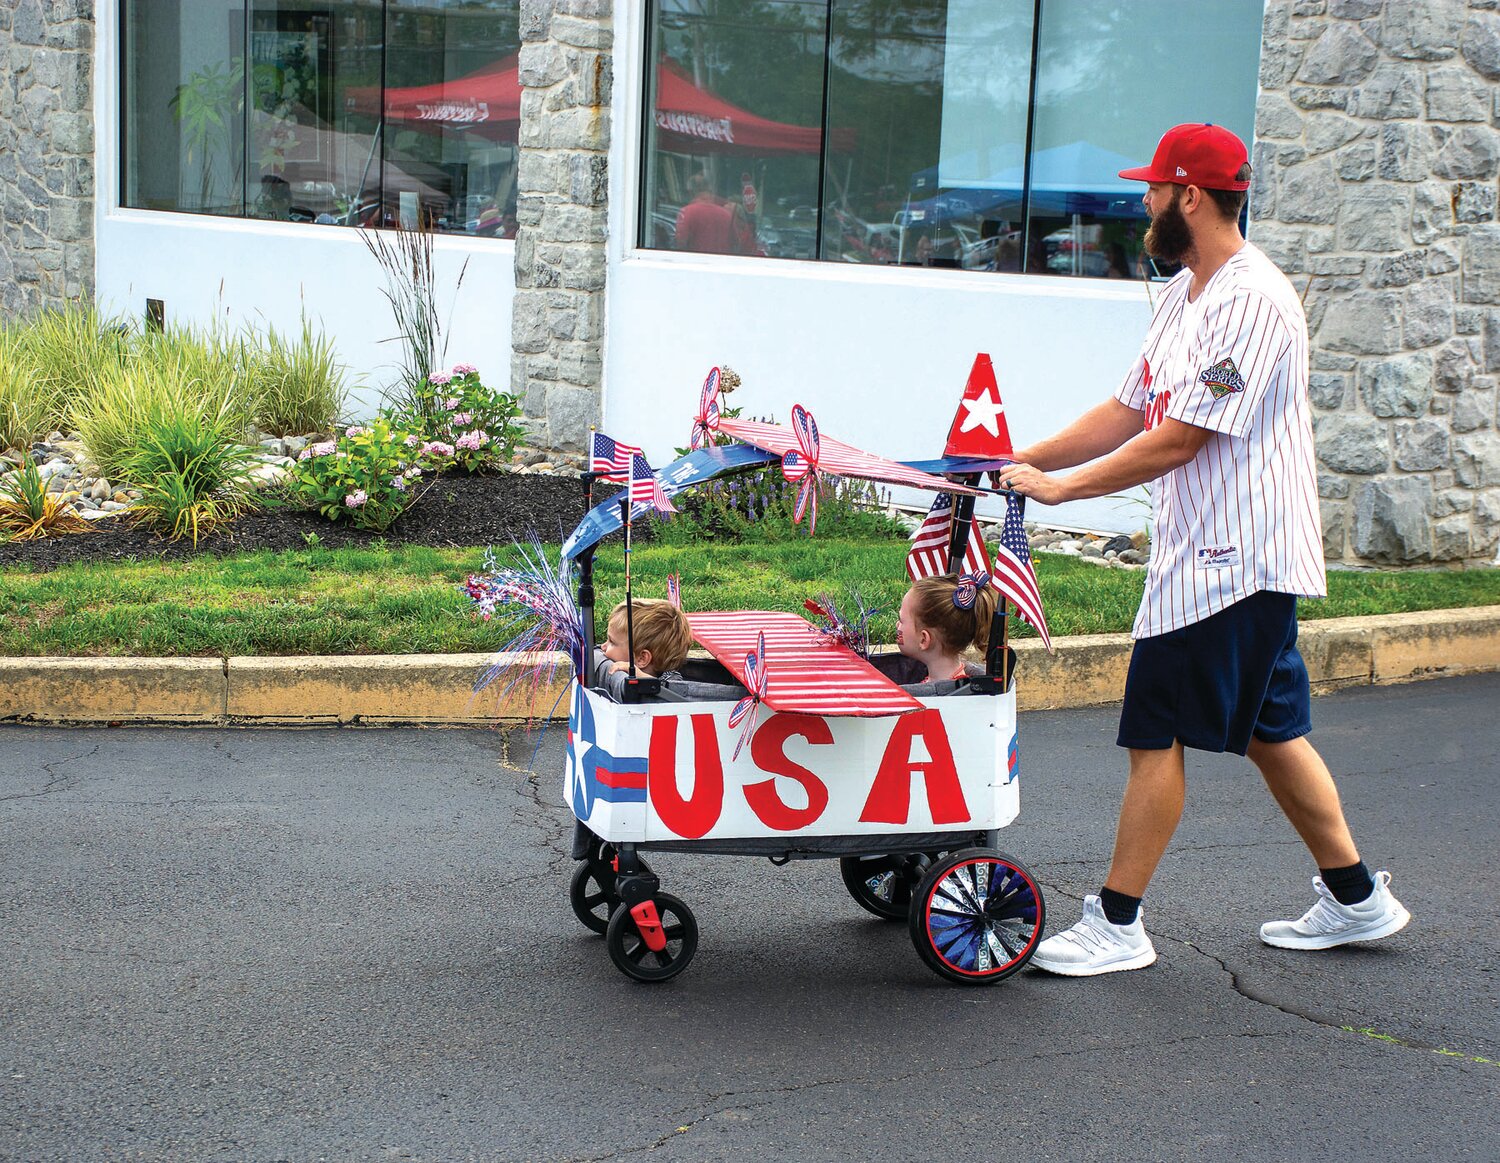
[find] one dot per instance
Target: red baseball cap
(1195, 155)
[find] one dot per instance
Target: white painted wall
(243, 271)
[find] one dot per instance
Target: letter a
(890, 795)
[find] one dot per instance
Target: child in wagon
(662, 639)
(941, 617)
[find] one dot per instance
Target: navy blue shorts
(1216, 683)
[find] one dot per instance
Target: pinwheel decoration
(674, 590)
(969, 585)
(706, 422)
(747, 710)
(801, 464)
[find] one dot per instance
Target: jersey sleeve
(1235, 353)
(1132, 390)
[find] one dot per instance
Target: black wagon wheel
(879, 884)
(976, 916)
(632, 953)
(592, 894)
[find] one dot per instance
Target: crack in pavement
(774, 1095)
(55, 782)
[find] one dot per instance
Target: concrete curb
(437, 689)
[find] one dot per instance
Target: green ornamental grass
(299, 385)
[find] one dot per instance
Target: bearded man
(1215, 412)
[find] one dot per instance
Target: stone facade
(1377, 156)
(46, 152)
(562, 215)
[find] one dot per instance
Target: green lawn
(405, 599)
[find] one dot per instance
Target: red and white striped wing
(812, 676)
(837, 458)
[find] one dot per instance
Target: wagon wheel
(592, 894)
(879, 884)
(634, 957)
(977, 916)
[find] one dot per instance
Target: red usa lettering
(918, 746)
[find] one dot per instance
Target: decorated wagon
(794, 740)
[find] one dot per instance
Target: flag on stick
(645, 489)
(1013, 572)
(928, 556)
(610, 460)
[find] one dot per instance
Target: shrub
(758, 506)
(28, 510)
(191, 473)
(27, 402)
(298, 384)
(367, 476)
(71, 349)
(457, 409)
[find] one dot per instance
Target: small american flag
(928, 556)
(645, 489)
(610, 459)
(1013, 573)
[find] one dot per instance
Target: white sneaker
(1095, 946)
(1329, 923)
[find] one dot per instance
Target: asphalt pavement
(356, 944)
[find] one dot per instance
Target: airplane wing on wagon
(695, 468)
(805, 672)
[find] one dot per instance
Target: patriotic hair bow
(968, 589)
(747, 710)
(802, 465)
(706, 422)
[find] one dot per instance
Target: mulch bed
(457, 511)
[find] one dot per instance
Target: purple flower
(437, 379)
(355, 499)
(449, 405)
(399, 484)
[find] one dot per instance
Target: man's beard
(1168, 237)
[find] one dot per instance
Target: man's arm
(1152, 454)
(1101, 429)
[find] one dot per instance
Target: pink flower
(411, 440)
(473, 441)
(356, 431)
(464, 369)
(437, 448)
(461, 419)
(355, 499)
(412, 474)
(437, 379)
(449, 405)
(322, 448)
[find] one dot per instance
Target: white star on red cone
(983, 410)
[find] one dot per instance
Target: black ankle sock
(1348, 885)
(1120, 909)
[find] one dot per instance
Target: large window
(978, 134)
(348, 112)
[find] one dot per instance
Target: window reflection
(944, 147)
(734, 138)
(360, 112)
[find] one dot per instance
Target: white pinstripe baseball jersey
(1242, 515)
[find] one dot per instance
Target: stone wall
(1376, 163)
(46, 153)
(558, 326)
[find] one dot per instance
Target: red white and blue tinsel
(845, 625)
(534, 603)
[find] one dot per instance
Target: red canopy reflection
(689, 119)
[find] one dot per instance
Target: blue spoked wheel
(976, 916)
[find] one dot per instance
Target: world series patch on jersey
(1242, 515)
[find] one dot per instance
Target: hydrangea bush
(367, 474)
(479, 423)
